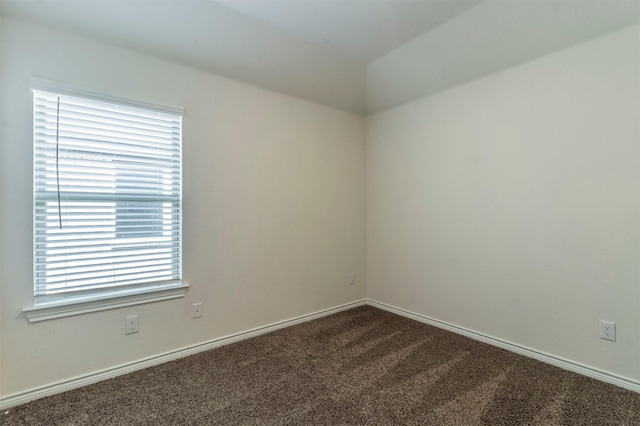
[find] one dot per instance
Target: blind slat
(116, 170)
(79, 285)
(118, 287)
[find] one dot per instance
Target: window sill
(61, 310)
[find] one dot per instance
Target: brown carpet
(363, 366)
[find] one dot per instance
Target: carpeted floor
(363, 366)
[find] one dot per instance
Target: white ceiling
(359, 29)
(488, 38)
(361, 56)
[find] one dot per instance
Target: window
(107, 198)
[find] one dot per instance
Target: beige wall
(273, 208)
(509, 205)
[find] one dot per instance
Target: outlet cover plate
(196, 310)
(608, 330)
(131, 324)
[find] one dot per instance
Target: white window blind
(107, 191)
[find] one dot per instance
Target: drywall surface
(273, 208)
(209, 36)
(493, 36)
(509, 205)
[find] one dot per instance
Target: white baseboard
(87, 379)
(565, 364)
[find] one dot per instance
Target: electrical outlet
(131, 324)
(352, 278)
(196, 310)
(608, 330)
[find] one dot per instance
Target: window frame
(108, 300)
